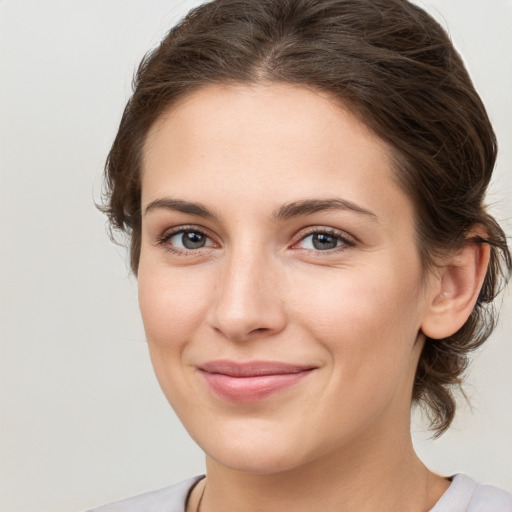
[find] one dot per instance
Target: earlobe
(455, 291)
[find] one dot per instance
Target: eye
(187, 240)
(324, 241)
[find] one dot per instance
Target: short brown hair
(395, 67)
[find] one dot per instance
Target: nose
(248, 300)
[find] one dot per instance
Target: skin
(258, 290)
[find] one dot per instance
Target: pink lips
(247, 382)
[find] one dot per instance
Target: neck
(364, 478)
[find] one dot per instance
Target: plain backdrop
(83, 421)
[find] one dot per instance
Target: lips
(251, 381)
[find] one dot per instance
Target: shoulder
(466, 495)
(168, 499)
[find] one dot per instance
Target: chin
(261, 461)
(255, 449)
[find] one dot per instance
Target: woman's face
(279, 281)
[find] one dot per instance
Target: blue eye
(323, 241)
(188, 239)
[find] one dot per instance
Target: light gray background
(83, 421)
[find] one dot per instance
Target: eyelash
(345, 240)
(166, 237)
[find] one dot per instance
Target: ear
(454, 289)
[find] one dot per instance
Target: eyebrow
(309, 206)
(284, 212)
(178, 205)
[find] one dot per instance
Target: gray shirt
(463, 495)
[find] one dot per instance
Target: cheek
(173, 305)
(366, 318)
(368, 326)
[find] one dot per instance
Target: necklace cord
(198, 508)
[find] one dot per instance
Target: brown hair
(396, 68)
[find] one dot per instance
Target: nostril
(260, 329)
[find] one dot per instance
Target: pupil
(193, 240)
(321, 241)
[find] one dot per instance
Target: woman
(303, 186)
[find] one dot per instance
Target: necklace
(198, 508)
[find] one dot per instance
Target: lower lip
(250, 389)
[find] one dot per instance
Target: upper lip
(252, 368)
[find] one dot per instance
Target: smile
(248, 382)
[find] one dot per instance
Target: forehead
(289, 140)
(242, 110)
